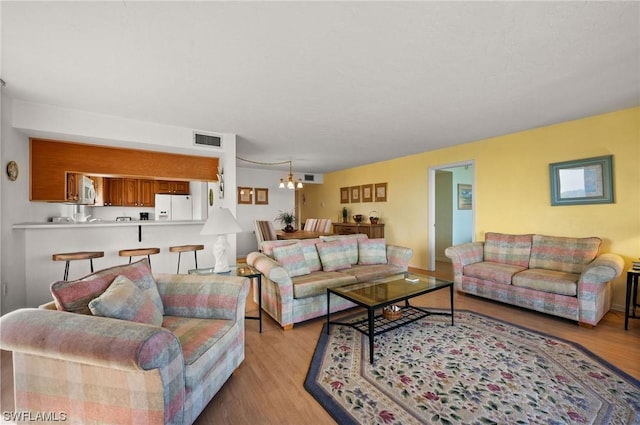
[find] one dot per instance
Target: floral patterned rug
(480, 371)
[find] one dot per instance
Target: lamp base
(220, 253)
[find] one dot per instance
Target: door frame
(431, 208)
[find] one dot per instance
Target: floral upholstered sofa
(296, 273)
(562, 276)
(176, 340)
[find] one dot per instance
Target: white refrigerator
(174, 207)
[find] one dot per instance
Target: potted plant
(287, 218)
(345, 214)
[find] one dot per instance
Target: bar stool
(72, 256)
(186, 248)
(136, 252)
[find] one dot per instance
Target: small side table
(632, 297)
(242, 270)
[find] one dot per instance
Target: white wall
(21, 120)
(279, 200)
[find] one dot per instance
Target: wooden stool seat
(73, 256)
(136, 252)
(186, 248)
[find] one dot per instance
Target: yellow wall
(511, 190)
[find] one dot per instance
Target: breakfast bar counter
(38, 241)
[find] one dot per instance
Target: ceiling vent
(211, 140)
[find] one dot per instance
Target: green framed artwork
(583, 181)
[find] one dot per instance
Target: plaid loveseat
(92, 369)
(296, 273)
(562, 276)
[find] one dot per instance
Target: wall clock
(12, 170)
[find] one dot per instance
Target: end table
(632, 297)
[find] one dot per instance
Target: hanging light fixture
(289, 182)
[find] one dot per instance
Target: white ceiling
(329, 85)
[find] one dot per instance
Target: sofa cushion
(124, 300)
(333, 255)
(292, 259)
(203, 343)
(75, 295)
(496, 272)
(364, 272)
(317, 283)
(507, 249)
(372, 251)
(548, 281)
(311, 254)
(563, 254)
(350, 242)
(267, 246)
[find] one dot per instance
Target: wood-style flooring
(268, 387)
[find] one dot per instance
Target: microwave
(86, 191)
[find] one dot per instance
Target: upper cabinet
(52, 161)
(172, 187)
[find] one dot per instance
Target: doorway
(451, 208)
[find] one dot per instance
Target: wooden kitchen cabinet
(138, 193)
(371, 230)
(112, 189)
(172, 187)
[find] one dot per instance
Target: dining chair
(264, 232)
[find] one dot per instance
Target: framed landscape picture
(344, 195)
(380, 192)
(262, 196)
(583, 181)
(367, 193)
(465, 194)
(355, 193)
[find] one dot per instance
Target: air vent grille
(309, 177)
(207, 140)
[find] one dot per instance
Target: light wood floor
(268, 387)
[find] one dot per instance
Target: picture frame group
(253, 196)
(364, 193)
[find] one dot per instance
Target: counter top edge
(51, 225)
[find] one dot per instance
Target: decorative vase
(289, 229)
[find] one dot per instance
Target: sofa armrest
(203, 296)
(81, 338)
(462, 255)
(399, 256)
(271, 270)
(604, 268)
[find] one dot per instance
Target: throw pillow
(292, 259)
(333, 256)
(507, 249)
(74, 296)
(350, 242)
(124, 300)
(372, 251)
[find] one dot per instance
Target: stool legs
(66, 270)
(195, 256)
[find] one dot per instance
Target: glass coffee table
(381, 293)
(242, 270)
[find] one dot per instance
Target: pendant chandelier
(289, 182)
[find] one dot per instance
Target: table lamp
(221, 222)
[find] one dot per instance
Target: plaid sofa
(94, 369)
(297, 273)
(562, 276)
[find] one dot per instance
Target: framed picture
(344, 195)
(465, 196)
(367, 193)
(380, 192)
(262, 196)
(583, 181)
(245, 195)
(355, 193)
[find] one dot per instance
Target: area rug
(480, 371)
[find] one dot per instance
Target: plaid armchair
(106, 370)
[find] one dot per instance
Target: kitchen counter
(105, 223)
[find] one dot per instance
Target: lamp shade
(220, 222)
